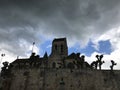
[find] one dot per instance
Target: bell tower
(59, 48)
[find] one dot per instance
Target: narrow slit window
(61, 48)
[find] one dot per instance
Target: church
(58, 58)
(58, 71)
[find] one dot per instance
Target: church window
(55, 47)
(61, 48)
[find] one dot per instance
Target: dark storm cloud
(79, 19)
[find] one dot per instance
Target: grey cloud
(78, 19)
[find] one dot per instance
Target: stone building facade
(59, 71)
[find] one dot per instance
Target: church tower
(59, 48)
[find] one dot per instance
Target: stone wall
(61, 79)
(82, 80)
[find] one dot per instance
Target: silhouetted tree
(94, 64)
(99, 60)
(97, 56)
(5, 64)
(4, 68)
(113, 63)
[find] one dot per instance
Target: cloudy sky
(90, 26)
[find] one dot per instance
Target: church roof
(71, 56)
(59, 39)
(20, 61)
(27, 60)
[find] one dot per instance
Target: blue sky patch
(89, 49)
(104, 48)
(46, 47)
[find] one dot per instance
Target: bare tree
(94, 64)
(113, 64)
(99, 60)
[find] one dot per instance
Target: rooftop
(59, 39)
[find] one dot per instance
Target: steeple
(45, 55)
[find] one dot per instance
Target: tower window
(61, 48)
(55, 47)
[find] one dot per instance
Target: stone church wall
(62, 79)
